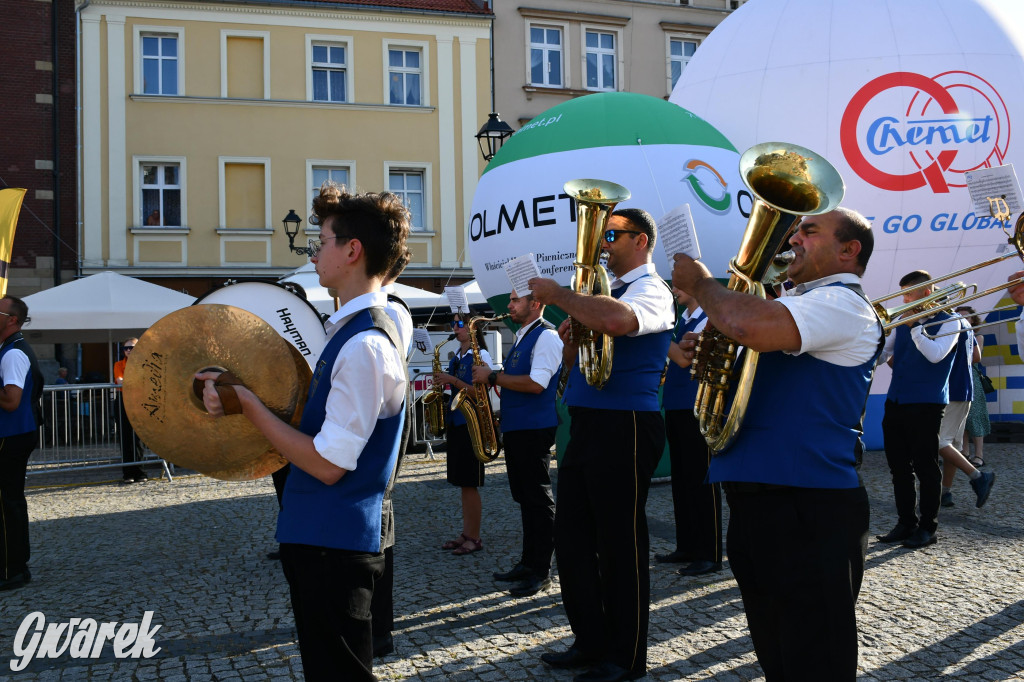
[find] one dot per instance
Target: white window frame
(685, 37)
(138, 32)
(226, 33)
(619, 59)
(426, 169)
(137, 163)
(424, 49)
(566, 74)
(222, 209)
(350, 164)
(350, 56)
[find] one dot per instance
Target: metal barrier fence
(81, 431)
(420, 438)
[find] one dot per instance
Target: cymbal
(168, 417)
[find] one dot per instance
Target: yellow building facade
(203, 124)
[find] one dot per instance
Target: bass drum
(292, 316)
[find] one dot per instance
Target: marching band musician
(464, 470)
(798, 510)
(344, 452)
(528, 423)
(617, 435)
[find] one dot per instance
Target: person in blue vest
(463, 469)
(529, 421)
(799, 512)
(918, 395)
(21, 386)
(344, 451)
(696, 503)
(616, 437)
(954, 419)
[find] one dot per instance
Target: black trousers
(382, 606)
(601, 540)
(131, 446)
(14, 548)
(697, 505)
(528, 460)
(798, 556)
(911, 435)
(331, 591)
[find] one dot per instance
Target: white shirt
(468, 357)
(14, 368)
(1020, 333)
(687, 316)
(933, 350)
(836, 325)
(547, 353)
(649, 298)
(368, 382)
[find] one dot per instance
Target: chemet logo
(951, 124)
(707, 184)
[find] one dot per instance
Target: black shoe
(530, 586)
(127, 481)
(518, 572)
(983, 486)
(382, 646)
(570, 658)
(141, 479)
(898, 534)
(701, 567)
(608, 672)
(274, 556)
(920, 538)
(16, 581)
(676, 557)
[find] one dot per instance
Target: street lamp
(291, 228)
(492, 135)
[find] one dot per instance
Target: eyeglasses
(317, 245)
(611, 235)
(458, 324)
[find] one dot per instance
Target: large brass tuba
(434, 407)
(595, 201)
(787, 182)
(475, 405)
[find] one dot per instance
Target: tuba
(475, 405)
(787, 182)
(434, 407)
(595, 201)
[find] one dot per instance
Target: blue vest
(346, 515)
(914, 379)
(522, 411)
(637, 365)
(24, 418)
(463, 371)
(961, 377)
(679, 391)
(814, 445)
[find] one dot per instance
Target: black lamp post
(492, 135)
(291, 228)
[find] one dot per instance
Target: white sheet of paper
(678, 234)
(520, 271)
(457, 299)
(421, 339)
(992, 183)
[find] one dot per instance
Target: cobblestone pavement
(193, 552)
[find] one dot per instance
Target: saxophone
(434, 408)
(475, 405)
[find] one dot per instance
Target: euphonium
(787, 182)
(595, 201)
(475, 405)
(434, 407)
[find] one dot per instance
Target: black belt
(744, 487)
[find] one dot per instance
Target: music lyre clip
(998, 208)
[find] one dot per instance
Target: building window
(321, 174)
(408, 184)
(546, 56)
(680, 52)
(159, 65)
(330, 67)
(161, 195)
(404, 77)
(600, 58)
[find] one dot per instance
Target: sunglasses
(128, 348)
(611, 235)
(458, 324)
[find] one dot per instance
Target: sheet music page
(520, 271)
(993, 183)
(457, 299)
(678, 234)
(421, 339)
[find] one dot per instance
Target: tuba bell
(475, 405)
(787, 182)
(595, 201)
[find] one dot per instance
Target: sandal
(977, 462)
(453, 544)
(468, 546)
